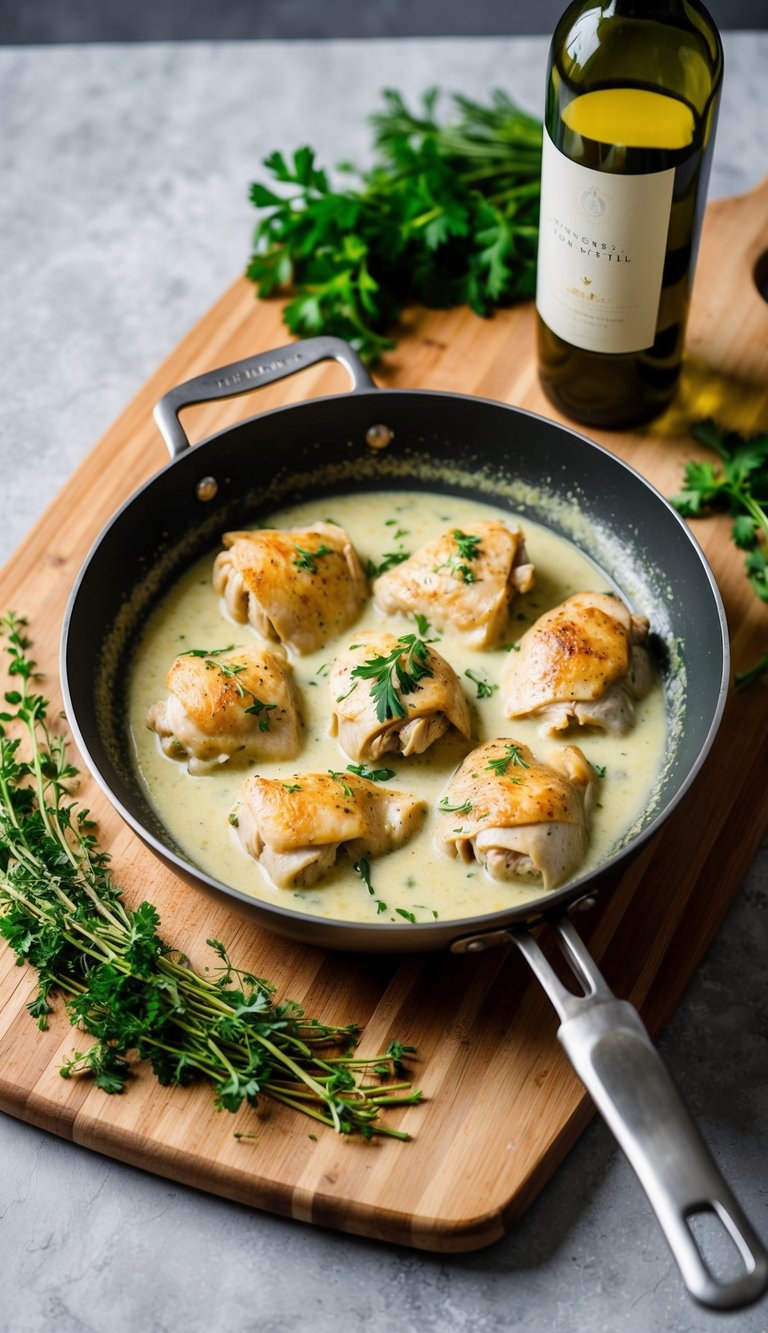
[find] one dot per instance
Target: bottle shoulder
(672, 45)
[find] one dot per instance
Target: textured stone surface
(123, 215)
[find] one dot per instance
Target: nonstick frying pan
(420, 440)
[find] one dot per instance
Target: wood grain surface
(502, 1106)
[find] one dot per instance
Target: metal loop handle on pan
(252, 373)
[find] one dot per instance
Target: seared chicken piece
(583, 663)
(237, 704)
(296, 827)
(402, 722)
(519, 817)
(298, 585)
(466, 580)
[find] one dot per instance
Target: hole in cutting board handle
(760, 274)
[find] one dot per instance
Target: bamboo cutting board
(502, 1106)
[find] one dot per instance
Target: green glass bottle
(631, 109)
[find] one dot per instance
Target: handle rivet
(206, 489)
(378, 437)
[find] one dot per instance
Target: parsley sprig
(447, 215)
(738, 486)
(61, 912)
(394, 674)
(468, 549)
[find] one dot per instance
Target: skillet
(484, 450)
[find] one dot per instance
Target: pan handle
(243, 376)
(611, 1051)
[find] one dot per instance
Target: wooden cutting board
(502, 1106)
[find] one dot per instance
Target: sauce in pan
(417, 881)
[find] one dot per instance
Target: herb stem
(61, 913)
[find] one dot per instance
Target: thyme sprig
(137, 996)
(512, 755)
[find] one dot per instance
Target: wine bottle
(631, 109)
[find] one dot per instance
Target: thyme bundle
(61, 912)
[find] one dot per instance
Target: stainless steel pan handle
(611, 1051)
(252, 373)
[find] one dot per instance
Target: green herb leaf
(339, 777)
(513, 755)
(306, 559)
(138, 997)
(447, 214)
(485, 689)
(394, 674)
(363, 868)
(372, 774)
(462, 809)
(737, 486)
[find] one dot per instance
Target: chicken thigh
(519, 817)
(296, 827)
(464, 580)
(236, 704)
(583, 663)
(298, 585)
(393, 695)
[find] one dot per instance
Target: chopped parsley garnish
(363, 868)
(485, 689)
(372, 774)
(258, 707)
(388, 561)
(468, 549)
(340, 778)
(306, 559)
(394, 674)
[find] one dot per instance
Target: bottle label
(602, 242)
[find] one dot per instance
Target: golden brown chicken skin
(583, 663)
(295, 827)
(236, 705)
(301, 586)
(366, 729)
(520, 817)
(465, 580)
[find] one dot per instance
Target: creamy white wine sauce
(415, 881)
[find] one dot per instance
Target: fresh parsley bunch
(447, 215)
(737, 485)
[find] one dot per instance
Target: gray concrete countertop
(123, 215)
